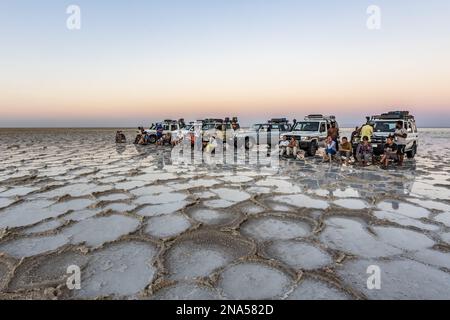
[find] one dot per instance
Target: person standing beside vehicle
(367, 131)
(400, 137)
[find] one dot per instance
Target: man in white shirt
(400, 138)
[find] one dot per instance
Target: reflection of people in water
(395, 205)
(120, 148)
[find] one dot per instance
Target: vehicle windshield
(306, 126)
(256, 127)
(208, 126)
(384, 126)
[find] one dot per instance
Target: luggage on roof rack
(400, 115)
(278, 120)
(320, 116)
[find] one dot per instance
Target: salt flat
(142, 227)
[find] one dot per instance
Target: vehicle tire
(152, 139)
(249, 143)
(312, 149)
(412, 153)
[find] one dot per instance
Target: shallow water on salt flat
(58, 189)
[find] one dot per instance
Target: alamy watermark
(374, 279)
(73, 22)
(73, 282)
(374, 19)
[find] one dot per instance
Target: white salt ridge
(432, 257)
(403, 239)
(167, 226)
(44, 226)
(237, 179)
(421, 189)
(31, 246)
(114, 197)
(194, 184)
(81, 215)
(190, 260)
(254, 281)
(429, 204)
(161, 198)
(273, 228)
(152, 177)
(443, 218)
(351, 236)
(352, 204)
(405, 209)
(186, 291)
(120, 207)
(97, 231)
(121, 270)
(404, 220)
(218, 203)
(5, 202)
(282, 186)
(212, 217)
(231, 195)
(18, 191)
(299, 255)
(154, 189)
(27, 213)
(74, 190)
(302, 201)
(161, 209)
(319, 192)
(312, 289)
(401, 280)
(346, 193)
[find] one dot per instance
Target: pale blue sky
(138, 60)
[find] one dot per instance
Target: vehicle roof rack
(278, 120)
(394, 115)
(212, 120)
(320, 116)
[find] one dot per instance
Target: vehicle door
(276, 132)
(263, 134)
(411, 135)
(323, 130)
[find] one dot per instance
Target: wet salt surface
(126, 213)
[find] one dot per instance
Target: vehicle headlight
(305, 138)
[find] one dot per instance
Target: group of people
(144, 138)
(393, 149)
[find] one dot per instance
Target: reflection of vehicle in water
(312, 132)
(168, 127)
(262, 132)
(384, 125)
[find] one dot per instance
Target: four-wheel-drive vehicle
(169, 127)
(384, 125)
(262, 132)
(214, 127)
(311, 133)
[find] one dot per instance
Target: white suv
(312, 132)
(384, 125)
